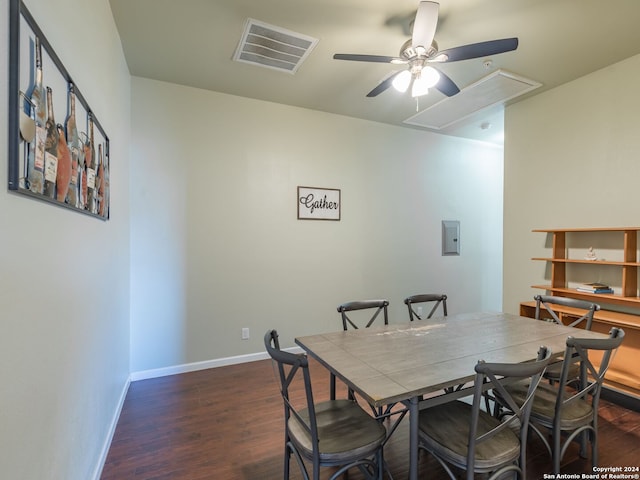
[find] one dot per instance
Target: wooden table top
(396, 362)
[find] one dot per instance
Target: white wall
(64, 281)
(216, 245)
(571, 160)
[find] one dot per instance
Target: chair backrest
(290, 367)
(545, 302)
(376, 306)
(591, 377)
(520, 410)
(437, 298)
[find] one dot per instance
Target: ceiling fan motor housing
(409, 52)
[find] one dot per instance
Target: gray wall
(216, 245)
(571, 160)
(203, 239)
(64, 277)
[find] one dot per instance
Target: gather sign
(318, 203)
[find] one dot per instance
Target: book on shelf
(594, 287)
(594, 290)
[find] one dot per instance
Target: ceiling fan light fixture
(430, 76)
(401, 81)
(426, 78)
(419, 88)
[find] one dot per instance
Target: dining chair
(363, 313)
(334, 433)
(570, 414)
(545, 311)
(464, 436)
(413, 300)
(415, 313)
(373, 308)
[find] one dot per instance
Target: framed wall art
(318, 203)
(58, 151)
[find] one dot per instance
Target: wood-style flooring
(227, 424)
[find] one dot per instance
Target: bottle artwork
(100, 182)
(82, 172)
(104, 211)
(91, 170)
(57, 162)
(63, 177)
(35, 161)
(50, 149)
(75, 149)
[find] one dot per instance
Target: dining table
(424, 363)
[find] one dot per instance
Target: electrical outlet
(245, 333)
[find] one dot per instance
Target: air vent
(496, 88)
(273, 47)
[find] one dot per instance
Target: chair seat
(345, 432)
(444, 430)
(574, 414)
(555, 369)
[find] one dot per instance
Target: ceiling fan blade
(383, 85)
(446, 85)
(424, 27)
(368, 58)
(476, 50)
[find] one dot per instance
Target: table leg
(413, 438)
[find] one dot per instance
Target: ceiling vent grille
(273, 47)
(496, 88)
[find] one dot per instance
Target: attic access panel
(493, 89)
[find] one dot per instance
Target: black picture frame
(23, 29)
(316, 203)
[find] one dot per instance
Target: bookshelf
(628, 265)
(623, 374)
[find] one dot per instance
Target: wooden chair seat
(346, 432)
(448, 436)
(554, 370)
(572, 416)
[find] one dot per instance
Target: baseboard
(195, 366)
(112, 430)
(624, 399)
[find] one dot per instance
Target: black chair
(371, 310)
(566, 413)
(335, 433)
(414, 300)
(544, 311)
(413, 303)
(374, 306)
(466, 437)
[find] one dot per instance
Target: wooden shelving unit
(629, 265)
(623, 374)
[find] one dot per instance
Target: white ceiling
(192, 42)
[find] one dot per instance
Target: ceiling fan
(421, 50)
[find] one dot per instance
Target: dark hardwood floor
(226, 424)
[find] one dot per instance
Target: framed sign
(318, 203)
